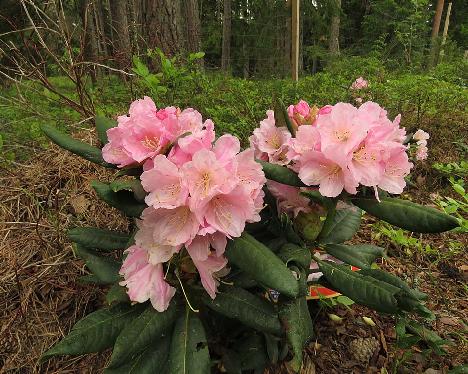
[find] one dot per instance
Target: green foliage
(407, 215)
(261, 264)
(360, 255)
(105, 240)
(95, 332)
(105, 269)
(102, 125)
(189, 348)
(245, 307)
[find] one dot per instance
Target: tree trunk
(446, 26)
(287, 40)
(122, 49)
(435, 33)
(192, 20)
(163, 26)
(226, 51)
(334, 42)
(89, 36)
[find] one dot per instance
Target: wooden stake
(295, 39)
(446, 25)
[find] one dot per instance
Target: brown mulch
(41, 298)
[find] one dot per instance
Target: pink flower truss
(146, 132)
(359, 84)
(200, 194)
(344, 147)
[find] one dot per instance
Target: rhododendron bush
(228, 243)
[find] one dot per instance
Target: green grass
(435, 102)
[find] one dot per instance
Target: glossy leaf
(102, 125)
(360, 255)
(360, 288)
(133, 185)
(117, 294)
(281, 116)
(293, 253)
(261, 264)
(104, 268)
(146, 329)
(281, 174)
(395, 281)
(407, 215)
(122, 200)
(247, 308)
(152, 360)
(189, 348)
(296, 319)
(95, 238)
(343, 225)
(95, 332)
(77, 147)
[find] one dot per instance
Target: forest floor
(40, 298)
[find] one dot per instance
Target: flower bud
(309, 225)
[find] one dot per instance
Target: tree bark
(435, 33)
(334, 43)
(89, 36)
(122, 48)
(162, 20)
(446, 26)
(226, 51)
(192, 21)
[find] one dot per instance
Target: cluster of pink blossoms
(359, 84)
(421, 138)
(199, 195)
(343, 148)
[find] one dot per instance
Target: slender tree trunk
(435, 33)
(192, 20)
(163, 25)
(122, 49)
(89, 36)
(334, 42)
(226, 51)
(444, 34)
(287, 40)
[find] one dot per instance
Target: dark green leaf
(261, 264)
(133, 185)
(104, 268)
(95, 238)
(95, 332)
(232, 362)
(463, 369)
(77, 147)
(407, 215)
(152, 360)
(122, 200)
(281, 116)
(281, 174)
(294, 253)
(343, 225)
(117, 294)
(102, 125)
(296, 320)
(272, 347)
(189, 348)
(395, 281)
(90, 279)
(249, 309)
(430, 337)
(362, 289)
(360, 255)
(252, 353)
(144, 330)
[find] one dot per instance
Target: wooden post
(295, 39)
(446, 25)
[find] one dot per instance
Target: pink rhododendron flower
(200, 194)
(165, 183)
(289, 198)
(270, 142)
(347, 147)
(359, 84)
(421, 150)
(301, 114)
(145, 281)
(421, 135)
